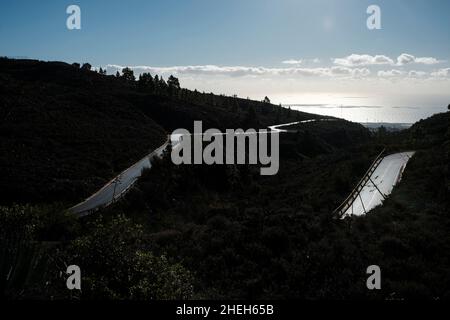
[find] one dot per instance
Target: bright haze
(317, 55)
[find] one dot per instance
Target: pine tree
(128, 74)
(173, 82)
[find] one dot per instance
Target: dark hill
(63, 133)
(66, 130)
(274, 237)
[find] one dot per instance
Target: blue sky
(244, 32)
(319, 35)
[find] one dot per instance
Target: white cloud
(293, 61)
(234, 71)
(307, 72)
(406, 58)
(389, 73)
(441, 73)
(301, 61)
(354, 60)
(353, 72)
(242, 71)
(346, 69)
(416, 74)
(428, 60)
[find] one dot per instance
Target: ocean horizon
(370, 114)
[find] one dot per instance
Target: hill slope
(66, 131)
(63, 133)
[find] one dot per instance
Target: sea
(371, 116)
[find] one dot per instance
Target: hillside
(246, 236)
(63, 133)
(66, 131)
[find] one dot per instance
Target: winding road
(386, 175)
(118, 186)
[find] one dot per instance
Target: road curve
(276, 127)
(119, 185)
(387, 174)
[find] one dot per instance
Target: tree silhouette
(266, 100)
(173, 82)
(86, 66)
(162, 82)
(102, 71)
(128, 74)
(146, 81)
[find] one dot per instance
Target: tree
(128, 75)
(101, 71)
(146, 81)
(173, 85)
(117, 74)
(161, 85)
(266, 100)
(162, 82)
(86, 66)
(448, 107)
(173, 82)
(76, 65)
(116, 264)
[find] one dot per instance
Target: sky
(293, 51)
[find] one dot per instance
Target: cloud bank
(355, 60)
(351, 67)
(241, 71)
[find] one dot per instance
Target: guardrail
(347, 203)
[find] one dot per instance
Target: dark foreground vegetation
(226, 231)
